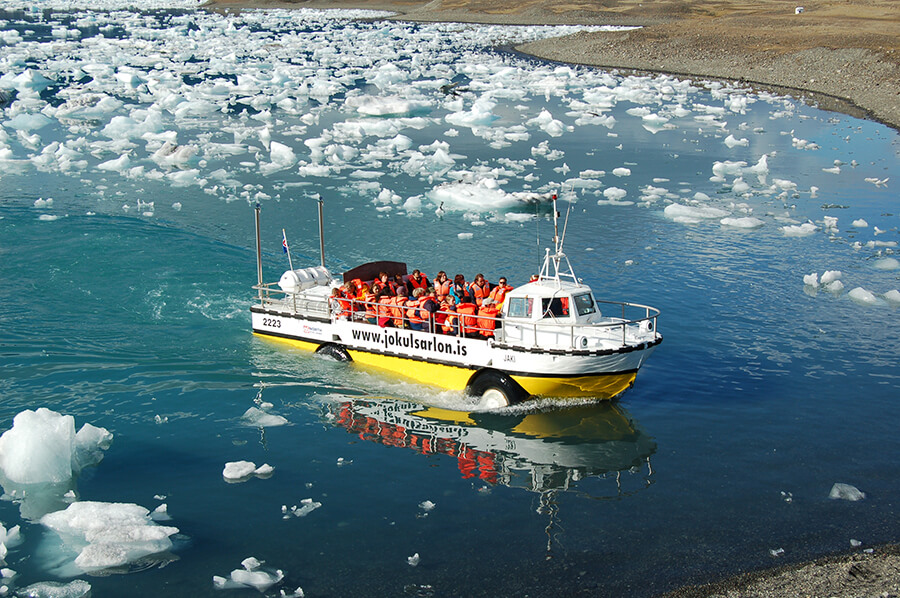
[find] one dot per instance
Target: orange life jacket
(371, 308)
(384, 310)
(480, 292)
(396, 304)
(442, 289)
(486, 324)
(413, 313)
(449, 322)
(345, 304)
(421, 284)
(498, 294)
(468, 312)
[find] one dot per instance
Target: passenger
(416, 280)
(468, 314)
(428, 306)
(340, 306)
(486, 318)
(459, 290)
(442, 286)
(443, 308)
(372, 308)
(498, 293)
(397, 282)
(534, 278)
(414, 311)
(480, 289)
(383, 309)
(398, 305)
(380, 282)
(450, 323)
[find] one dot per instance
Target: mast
(321, 228)
(259, 270)
(557, 266)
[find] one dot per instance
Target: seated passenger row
(470, 309)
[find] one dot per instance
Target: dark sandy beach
(843, 55)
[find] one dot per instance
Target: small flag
(284, 241)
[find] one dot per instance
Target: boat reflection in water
(542, 452)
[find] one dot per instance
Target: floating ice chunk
(413, 560)
(308, 506)
(877, 182)
(391, 106)
(481, 196)
(263, 471)
(846, 492)
(120, 164)
(887, 264)
(172, 154)
(108, 535)
(161, 513)
(547, 123)
(614, 193)
(811, 280)
(480, 114)
(892, 297)
(621, 171)
(42, 447)
(855, 543)
(863, 297)
(747, 222)
(28, 122)
(835, 286)
(239, 470)
(832, 170)
(730, 141)
(692, 214)
(281, 156)
(257, 417)
(802, 230)
(776, 552)
(465, 236)
(830, 223)
(260, 580)
(860, 223)
(831, 275)
(53, 589)
(426, 505)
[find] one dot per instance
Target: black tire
(335, 352)
(495, 389)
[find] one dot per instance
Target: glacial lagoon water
(132, 149)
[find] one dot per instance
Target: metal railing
(636, 324)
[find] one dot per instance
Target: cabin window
(519, 307)
(557, 307)
(584, 304)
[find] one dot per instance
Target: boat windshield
(556, 307)
(520, 307)
(584, 304)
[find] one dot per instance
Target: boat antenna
(565, 227)
(259, 269)
(321, 228)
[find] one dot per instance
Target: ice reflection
(542, 452)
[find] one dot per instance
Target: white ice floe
(621, 171)
(730, 141)
(42, 447)
(860, 223)
(811, 280)
(251, 576)
(413, 560)
(307, 506)
(887, 264)
(693, 214)
(892, 297)
(801, 230)
(426, 505)
(863, 297)
(107, 535)
(77, 588)
(841, 491)
(239, 471)
(830, 276)
(747, 222)
(259, 418)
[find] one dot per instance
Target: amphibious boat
(552, 338)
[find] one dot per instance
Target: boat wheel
(494, 390)
(336, 352)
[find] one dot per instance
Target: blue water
(136, 319)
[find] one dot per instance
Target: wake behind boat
(551, 337)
